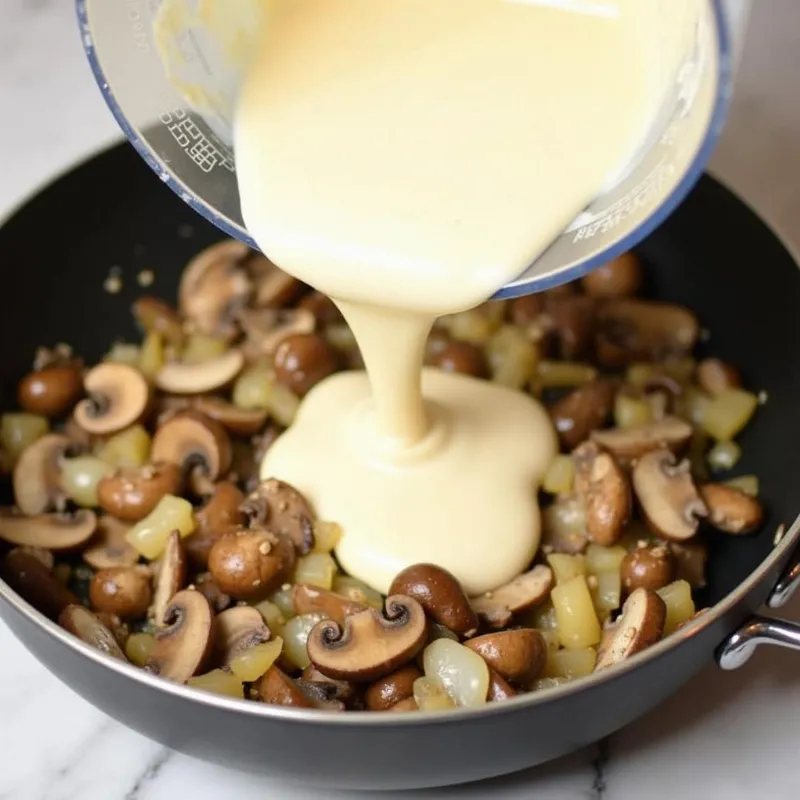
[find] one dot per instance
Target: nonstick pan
(111, 215)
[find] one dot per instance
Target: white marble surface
(726, 736)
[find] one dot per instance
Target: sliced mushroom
(715, 376)
(220, 515)
(730, 509)
(130, 494)
(640, 625)
(344, 691)
(250, 563)
(196, 443)
(171, 577)
(570, 320)
(324, 694)
(564, 526)
(238, 421)
(517, 655)
(207, 586)
(440, 594)
(647, 568)
(496, 608)
(369, 645)
(274, 287)
(277, 688)
(285, 510)
(266, 328)
(64, 531)
(388, 691)
(111, 548)
(582, 411)
(605, 492)
(690, 562)
(181, 378)
(627, 444)
(154, 315)
(118, 397)
(641, 330)
(308, 599)
(214, 286)
(32, 581)
(36, 475)
(322, 307)
(236, 630)
(124, 591)
(80, 622)
(669, 500)
(183, 647)
(499, 688)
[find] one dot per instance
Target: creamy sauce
(408, 158)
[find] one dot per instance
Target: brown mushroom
(667, 495)
(196, 443)
(582, 411)
(274, 288)
(182, 378)
(640, 625)
(620, 277)
(642, 330)
(237, 421)
(217, 517)
(52, 391)
(80, 622)
(440, 594)
(715, 376)
(118, 397)
(462, 357)
(730, 509)
(649, 567)
(155, 316)
(277, 688)
(409, 704)
(130, 494)
(326, 695)
(236, 630)
(214, 286)
(627, 444)
(285, 510)
(564, 526)
(308, 599)
(527, 310)
(266, 328)
(250, 563)
(36, 475)
(496, 608)
(517, 655)
(120, 629)
(111, 548)
(62, 531)
(32, 581)
(690, 562)
(388, 691)
(604, 491)
(171, 576)
(570, 320)
(302, 360)
(322, 307)
(124, 591)
(499, 688)
(369, 645)
(208, 587)
(183, 647)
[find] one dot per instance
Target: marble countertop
(725, 735)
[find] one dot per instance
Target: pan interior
(111, 217)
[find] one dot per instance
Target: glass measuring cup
(188, 144)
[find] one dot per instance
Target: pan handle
(758, 630)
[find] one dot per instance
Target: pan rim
(520, 703)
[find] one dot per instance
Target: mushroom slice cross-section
(118, 397)
(171, 576)
(369, 645)
(35, 477)
(177, 377)
(81, 622)
(193, 441)
(640, 625)
(239, 421)
(730, 509)
(281, 507)
(236, 630)
(670, 502)
(183, 647)
(308, 599)
(496, 608)
(627, 444)
(50, 531)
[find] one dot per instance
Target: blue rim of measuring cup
(536, 283)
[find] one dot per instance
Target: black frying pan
(714, 255)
